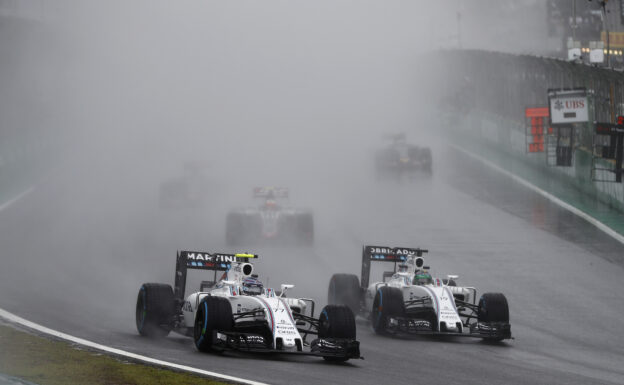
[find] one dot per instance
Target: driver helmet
(422, 278)
(252, 286)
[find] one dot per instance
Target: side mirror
(450, 280)
(284, 287)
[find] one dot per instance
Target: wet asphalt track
(73, 264)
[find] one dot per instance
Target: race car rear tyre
(336, 321)
(155, 309)
(213, 314)
(388, 303)
(493, 307)
(344, 289)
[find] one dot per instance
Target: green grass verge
(51, 362)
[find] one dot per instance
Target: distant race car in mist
(186, 191)
(270, 221)
(410, 301)
(236, 312)
(400, 159)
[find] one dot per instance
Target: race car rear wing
(270, 192)
(203, 261)
(387, 254)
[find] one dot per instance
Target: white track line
(10, 202)
(606, 229)
(137, 357)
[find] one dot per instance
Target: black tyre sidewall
(388, 302)
(493, 307)
(344, 289)
(204, 343)
(213, 314)
(154, 310)
(337, 321)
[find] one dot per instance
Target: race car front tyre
(493, 309)
(388, 303)
(337, 321)
(213, 314)
(344, 289)
(155, 310)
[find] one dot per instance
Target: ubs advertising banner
(568, 106)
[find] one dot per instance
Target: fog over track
(82, 266)
(294, 94)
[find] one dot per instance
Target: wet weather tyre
(388, 303)
(493, 308)
(336, 321)
(155, 309)
(344, 289)
(213, 314)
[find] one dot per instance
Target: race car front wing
(256, 343)
(335, 347)
(485, 330)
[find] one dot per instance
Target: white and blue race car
(236, 312)
(410, 300)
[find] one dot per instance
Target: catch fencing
(485, 95)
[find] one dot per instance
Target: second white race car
(410, 300)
